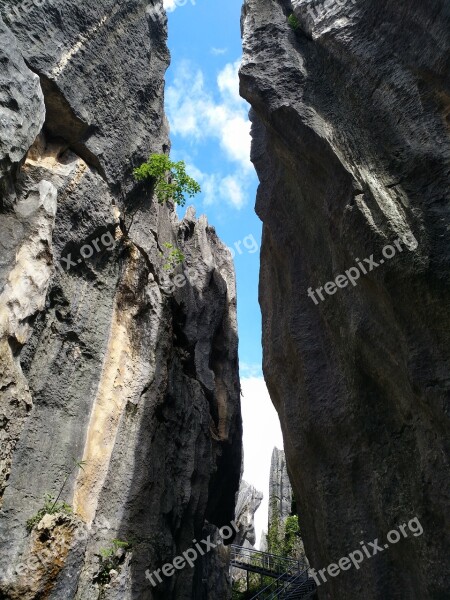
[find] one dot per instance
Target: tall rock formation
(350, 141)
(280, 489)
(248, 502)
(105, 357)
(283, 537)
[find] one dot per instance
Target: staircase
(291, 578)
(298, 587)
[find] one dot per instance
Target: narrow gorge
(126, 468)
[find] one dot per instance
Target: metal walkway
(291, 577)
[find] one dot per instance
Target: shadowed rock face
(350, 141)
(107, 353)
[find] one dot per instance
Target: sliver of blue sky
(210, 131)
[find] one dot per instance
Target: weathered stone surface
(98, 76)
(248, 502)
(103, 359)
(282, 505)
(22, 108)
(350, 141)
(280, 489)
(23, 294)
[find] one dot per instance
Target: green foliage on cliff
(291, 535)
(51, 504)
(51, 507)
(282, 539)
(293, 22)
(111, 559)
(171, 180)
(256, 583)
(174, 258)
(274, 536)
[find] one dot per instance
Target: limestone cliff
(283, 538)
(280, 489)
(248, 502)
(350, 110)
(109, 354)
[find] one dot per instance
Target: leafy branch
(171, 180)
(174, 258)
(111, 558)
(51, 507)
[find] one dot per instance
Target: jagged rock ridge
(350, 130)
(102, 358)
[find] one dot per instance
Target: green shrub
(110, 559)
(51, 507)
(291, 535)
(239, 591)
(171, 180)
(51, 504)
(174, 258)
(293, 22)
(275, 533)
(282, 540)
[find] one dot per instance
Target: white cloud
(219, 51)
(198, 114)
(229, 189)
(262, 432)
(193, 110)
(236, 140)
(250, 370)
(228, 82)
(170, 5)
(232, 189)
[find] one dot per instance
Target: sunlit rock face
(248, 502)
(350, 141)
(282, 505)
(280, 489)
(109, 354)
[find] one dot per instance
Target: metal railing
(300, 587)
(276, 587)
(257, 561)
(291, 577)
